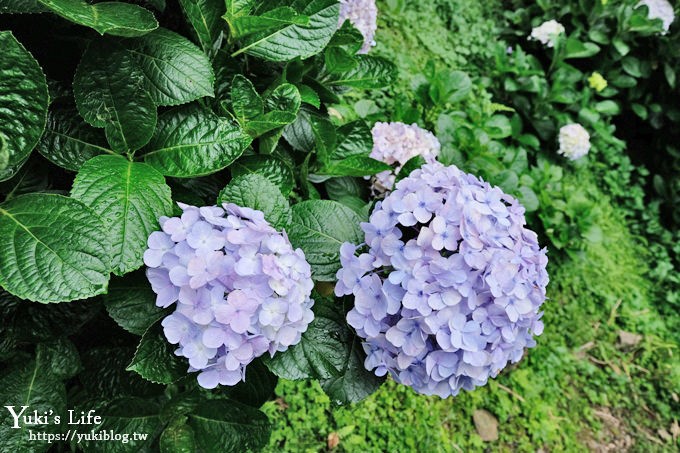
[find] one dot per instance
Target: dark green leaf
(245, 101)
(309, 96)
(257, 192)
(193, 142)
(296, 41)
(369, 72)
(53, 249)
(110, 92)
(229, 427)
(268, 122)
(132, 304)
(356, 165)
(113, 18)
(155, 358)
(178, 438)
(237, 8)
(322, 352)
(578, 49)
(272, 168)
(284, 98)
(205, 16)
(339, 61)
(271, 21)
(70, 142)
(353, 139)
(319, 228)
(130, 197)
(347, 186)
(311, 132)
(21, 6)
(412, 164)
(355, 382)
(60, 357)
(450, 87)
(347, 36)
(23, 104)
(257, 389)
(176, 71)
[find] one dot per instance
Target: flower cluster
(363, 14)
(449, 286)
(547, 33)
(397, 143)
(574, 141)
(597, 82)
(660, 9)
(241, 289)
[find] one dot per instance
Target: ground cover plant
(251, 225)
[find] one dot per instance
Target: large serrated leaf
(272, 20)
(69, 142)
(176, 71)
(229, 427)
(319, 228)
(355, 382)
(354, 166)
(257, 192)
(194, 142)
(272, 168)
(369, 72)
(110, 92)
(113, 18)
(23, 104)
(21, 7)
(53, 249)
(61, 357)
(130, 197)
(29, 384)
(245, 101)
(205, 16)
(297, 41)
(353, 139)
(132, 304)
(321, 353)
(155, 359)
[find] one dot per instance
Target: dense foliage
(119, 119)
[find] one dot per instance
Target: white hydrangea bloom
(547, 33)
(574, 141)
(363, 14)
(660, 9)
(397, 143)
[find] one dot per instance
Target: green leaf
(110, 92)
(369, 72)
(450, 87)
(339, 61)
(356, 165)
(130, 197)
(257, 192)
(205, 16)
(193, 142)
(245, 101)
(228, 426)
(113, 18)
(322, 351)
(309, 96)
(337, 188)
(69, 142)
(355, 382)
(237, 8)
(270, 21)
(178, 438)
(284, 98)
(127, 415)
(269, 122)
(353, 139)
(60, 356)
(53, 249)
(349, 37)
(23, 104)
(498, 126)
(155, 358)
(21, 7)
(296, 41)
(412, 164)
(272, 168)
(319, 228)
(311, 132)
(176, 70)
(578, 49)
(257, 389)
(132, 304)
(29, 384)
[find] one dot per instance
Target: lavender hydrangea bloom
(363, 14)
(395, 144)
(240, 288)
(449, 284)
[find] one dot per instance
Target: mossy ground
(580, 388)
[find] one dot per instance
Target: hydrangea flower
(448, 285)
(240, 289)
(597, 82)
(547, 33)
(660, 9)
(397, 143)
(363, 14)
(574, 141)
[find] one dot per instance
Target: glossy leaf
(356, 165)
(257, 192)
(194, 142)
(272, 168)
(272, 20)
(205, 18)
(369, 72)
(54, 250)
(155, 358)
(23, 104)
(130, 197)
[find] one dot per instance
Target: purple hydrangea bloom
(448, 285)
(240, 288)
(363, 14)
